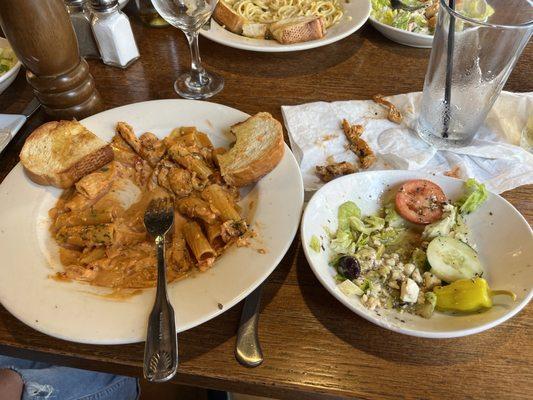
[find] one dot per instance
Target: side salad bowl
(503, 238)
(9, 76)
(401, 36)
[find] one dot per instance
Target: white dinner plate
(78, 312)
(503, 236)
(356, 13)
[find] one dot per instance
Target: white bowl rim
(393, 28)
(379, 321)
(15, 68)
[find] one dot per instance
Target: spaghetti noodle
(270, 11)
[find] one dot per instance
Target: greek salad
(7, 60)
(415, 255)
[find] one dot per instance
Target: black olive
(349, 267)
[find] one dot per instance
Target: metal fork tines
(161, 348)
(399, 5)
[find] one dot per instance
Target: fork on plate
(161, 348)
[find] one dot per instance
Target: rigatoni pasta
(198, 243)
(214, 235)
(219, 199)
(194, 207)
(84, 217)
(99, 227)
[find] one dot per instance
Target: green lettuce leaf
(475, 9)
(392, 218)
(346, 211)
(343, 243)
(368, 225)
(475, 196)
(314, 244)
(442, 227)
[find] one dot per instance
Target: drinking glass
(189, 16)
(475, 47)
(148, 14)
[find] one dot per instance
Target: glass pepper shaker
(80, 17)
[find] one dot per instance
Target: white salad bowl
(504, 241)
(403, 37)
(8, 78)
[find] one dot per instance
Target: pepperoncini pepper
(467, 295)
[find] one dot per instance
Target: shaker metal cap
(75, 2)
(103, 5)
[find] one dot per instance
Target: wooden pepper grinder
(43, 39)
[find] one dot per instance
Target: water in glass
(471, 61)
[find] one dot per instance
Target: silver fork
(161, 348)
(399, 5)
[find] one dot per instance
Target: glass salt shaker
(113, 34)
(80, 17)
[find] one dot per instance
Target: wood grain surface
(314, 347)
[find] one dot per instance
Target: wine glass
(190, 16)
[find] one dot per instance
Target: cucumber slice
(451, 259)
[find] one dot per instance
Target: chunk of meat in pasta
(152, 149)
(233, 229)
(126, 132)
(180, 181)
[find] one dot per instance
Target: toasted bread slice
(255, 31)
(257, 151)
(299, 29)
(228, 18)
(59, 153)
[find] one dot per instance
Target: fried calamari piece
(394, 114)
(455, 172)
(358, 145)
(329, 172)
(352, 132)
(364, 152)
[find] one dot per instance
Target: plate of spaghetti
(285, 25)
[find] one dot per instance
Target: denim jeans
(49, 382)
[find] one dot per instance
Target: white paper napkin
(494, 157)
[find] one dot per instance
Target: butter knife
(248, 349)
(10, 124)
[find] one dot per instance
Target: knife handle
(248, 349)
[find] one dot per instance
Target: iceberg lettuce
(314, 244)
(392, 218)
(442, 227)
(367, 225)
(475, 196)
(346, 211)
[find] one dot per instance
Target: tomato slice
(420, 201)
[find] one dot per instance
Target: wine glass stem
(198, 77)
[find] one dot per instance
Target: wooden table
(314, 347)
